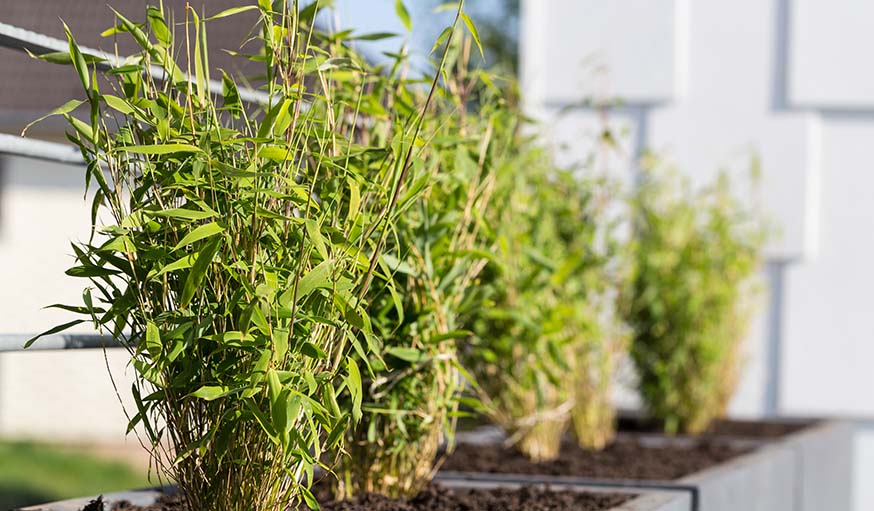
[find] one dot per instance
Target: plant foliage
(233, 244)
(411, 398)
(695, 257)
(543, 346)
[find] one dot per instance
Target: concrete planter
(646, 500)
(809, 470)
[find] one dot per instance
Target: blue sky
(379, 16)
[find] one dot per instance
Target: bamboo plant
(696, 254)
(411, 397)
(233, 243)
(543, 347)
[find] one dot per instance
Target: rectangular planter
(647, 500)
(808, 470)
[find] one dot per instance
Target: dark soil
(623, 459)
(437, 498)
(764, 430)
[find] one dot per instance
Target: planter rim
(693, 485)
(644, 500)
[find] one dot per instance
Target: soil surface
(437, 498)
(623, 459)
(722, 428)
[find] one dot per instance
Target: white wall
(708, 83)
(58, 395)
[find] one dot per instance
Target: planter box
(809, 470)
(136, 497)
(647, 500)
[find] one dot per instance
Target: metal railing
(16, 342)
(27, 41)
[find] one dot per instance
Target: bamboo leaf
(179, 264)
(311, 350)
(353, 383)
(153, 340)
(471, 27)
(159, 149)
(403, 14)
(210, 392)
(407, 354)
(278, 154)
(442, 38)
(183, 214)
(78, 60)
(117, 104)
(316, 237)
(202, 232)
(54, 330)
(159, 26)
(198, 271)
(66, 108)
(232, 11)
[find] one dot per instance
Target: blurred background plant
(545, 338)
(696, 256)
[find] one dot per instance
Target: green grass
(32, 473)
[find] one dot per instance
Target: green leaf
(66, 108)
(316, 237)
(474, 33)
(183, 214)
(280, 343)
(232, 11)
(230, 93)
(153, 340)
(78, 60)
(90, 271)
(198, 271)
(210, 392)
(117, 104)
(309, 498)
(54, 330)
(318, 277)
(159, 149)
(159, 26)
(403, 14)
(179, 264)
(278, 154)
(353, 383)
(442, 38)
(377, 36)
(128, 68)
(406, 354)
(204, 231)
(64, 58)
(139, 36)
(311, 350)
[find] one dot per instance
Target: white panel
(830, 53)
(829, 334)
(863, 470)
(576, 138)
(50, 395)
(595, 47)
(727, 116)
